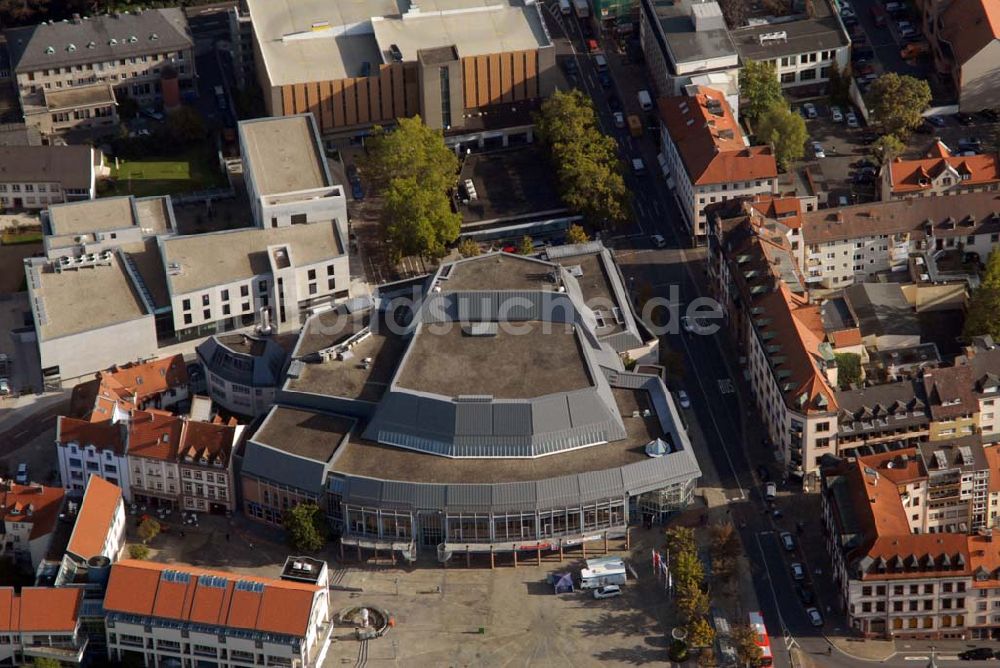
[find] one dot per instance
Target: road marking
(726, 386)
(917, 658)
(774, 595)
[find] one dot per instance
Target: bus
(757, 624)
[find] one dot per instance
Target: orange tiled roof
(39, 609)
(97, 512)
(45, 504)
(102, 435)
(969, 26)
(992, 453)
(845, 338)
(146, 379)
(710, 142)
(916, 175)
(786, 210)
(154, 434)
(280, 606)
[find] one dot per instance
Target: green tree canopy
(149, 529)
(45, 662)
(897, 102)
(745, 643)
(586, 163)
(839, 84)
(700, 633)
(848, 369)
(415, 171)
(186, 125)
(785, 131)
(526, 247)
(138, 551)
(886, 148)
(305, 527)
(417, 220)
(760, 87)
(983, 316)
(691, 602)
(576, 235)
(680, 539)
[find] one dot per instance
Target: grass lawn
(195, 169)
(11, 238)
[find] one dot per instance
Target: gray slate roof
(69, 165)
(89, 40)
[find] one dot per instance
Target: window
(186, 304)
(207, 314)
(205, 300)
(808, 75)
(445, 97)
(312, 288)
(225, 309)
(330, 271)
(312, 274)
(822, 426)
(187, 318)
(244, 290)
(788, 77)
(225, 295)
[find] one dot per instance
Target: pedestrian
(251, 546)
(829, 651)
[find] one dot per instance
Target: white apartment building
(85, 449)
(205, 460)
(254, 621)
(30, 513)
(35, 177)
(130, 51)
(41, 623)
(686, 43)
(841, 246)
(707, 159)
(803, 48)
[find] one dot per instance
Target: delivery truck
(603, 574)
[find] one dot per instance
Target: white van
(645, 101)
(565, 7)
(601, 62)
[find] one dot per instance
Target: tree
(149, 529)
(700, 633)
(305, 527)
(785, 131)
(735, 12)
(691, 602)
(411, 150)
(983, 315)
(848, 369)
(417, 220)
(127, 108)
(745, 643)
(469, 248)
(886, 148)
(138, 551)
(687, 569)
(588, 172)
(576, 235)
(186, 126)
(725, 547)
(526, 247)
(897, 102)
(760, 87)
(680, 539)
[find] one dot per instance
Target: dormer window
(71, 47)
(112, 42)
(49, 50)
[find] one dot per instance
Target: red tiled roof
(846, 338)
(969, 26)
(786, 210)
(710, 142)
(915, 175)
(39, 609)
(45, 504)
(100, 504)
(146, 379)
(154, 434)
(50, 609)
(992, 453)
(102, 435)
(138, 587)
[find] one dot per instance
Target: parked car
(965, 119)
(936, 121)
(153, 113)
(614, 104)
(658, 241)
(907, 32)
(976, 654)
(770, 491)
(21, 478)
(805, 595)
(593, 46)
(798, 572)
(990, 114)
(809, 110)
(4, 386)
(852, 120)
(815, 618)
(763, 473)
(619, 118)
(863, 67)
(788, 540)
(970, 143)
(683, 400)
(862, 163)
(836, 115)
(847, 13)
(605, 79)
(818, 150)
(608, 591)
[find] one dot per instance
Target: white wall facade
(77, 461)
(155, 478)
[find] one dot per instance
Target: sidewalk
(15, 410)
(863, 650)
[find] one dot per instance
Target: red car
(592, 46)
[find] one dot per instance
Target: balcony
(67, 654)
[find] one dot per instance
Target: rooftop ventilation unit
(769, 37)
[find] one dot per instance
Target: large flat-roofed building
(686, 42)
(494, 414)
(363, 63)
(221, 281)
(803, 49)
(34, 177)
(288, 180)
(53, 112)
(130, 51)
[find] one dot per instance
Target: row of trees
(983, 315)
(585, 160)
(773, 121)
